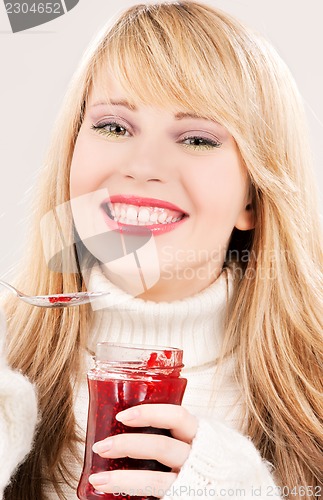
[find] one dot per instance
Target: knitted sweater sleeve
(223, 464)
(18, 416)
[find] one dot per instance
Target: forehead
(108, 89)
(112, 92)
(106, 86)
(118, 83)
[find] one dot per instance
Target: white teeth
(136, 215)
(117, 210)
(143, 215)
(132, 213)
(162, 217)
(153, 217)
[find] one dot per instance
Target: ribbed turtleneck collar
(194, 324)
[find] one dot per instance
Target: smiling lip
(143, 202)
(153, 228)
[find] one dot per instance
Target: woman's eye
(196, 142)
(111, 129)
(115, 129)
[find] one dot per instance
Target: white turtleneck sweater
(222, 462)
(18, 415)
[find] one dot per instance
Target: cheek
(220, 188)
(80, 167)
(88, 166)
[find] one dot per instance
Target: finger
(134, 482)
(182, 424)
(168, 451)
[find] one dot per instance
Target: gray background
(36, 66)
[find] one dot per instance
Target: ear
(246, 218)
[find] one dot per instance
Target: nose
(146, 163)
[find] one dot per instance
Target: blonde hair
(189, 55)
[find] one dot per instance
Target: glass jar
(127, 375)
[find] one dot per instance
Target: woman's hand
(171, 451)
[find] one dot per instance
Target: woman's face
(171, 180)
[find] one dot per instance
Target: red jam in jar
(124, 376)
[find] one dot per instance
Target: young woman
(182, 121)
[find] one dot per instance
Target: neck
(194, 324)
(168, 288)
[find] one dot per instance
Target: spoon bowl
(56, 300)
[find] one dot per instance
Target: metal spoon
(58, 300)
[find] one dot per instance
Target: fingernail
(129, 414)
(99, 479)
(102, 446)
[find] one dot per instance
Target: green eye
(111, 129)
(201, 143)
(114, 129)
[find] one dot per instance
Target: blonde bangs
(147, 52)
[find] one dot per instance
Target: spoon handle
(10, 287)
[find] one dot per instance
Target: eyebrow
(132, 107)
